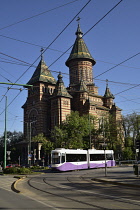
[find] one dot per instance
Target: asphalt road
(11, 200)
(77, 190)
(69, 191)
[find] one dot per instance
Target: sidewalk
(127, 178)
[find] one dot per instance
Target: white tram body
(75, 159)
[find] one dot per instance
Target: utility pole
(5, 133)
(104, 145)
(89, 132)
(30, 143)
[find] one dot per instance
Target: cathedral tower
(37, 114)
(80, 61)
(60, 103)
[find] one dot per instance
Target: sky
(112, 38)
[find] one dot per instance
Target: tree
(47, 145)
(74, 131)
(40, 138)
(131, 124)
(12, 139)
(110, 132)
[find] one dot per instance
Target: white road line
(39, 201)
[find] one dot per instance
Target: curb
(115, 183)
(13, 186)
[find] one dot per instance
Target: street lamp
(29, 124)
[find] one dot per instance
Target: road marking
(39, 201)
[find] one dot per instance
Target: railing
(125, 162)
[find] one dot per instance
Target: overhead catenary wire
(48, 47)
(66, 27)
(118, 64)
(127, 89)
(28, 64)
(69, 24)
(84, 34)
(110, 81)
(37, 15)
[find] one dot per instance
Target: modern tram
(75, 159)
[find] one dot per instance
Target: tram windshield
(55, 158)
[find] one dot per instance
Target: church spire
(42, 73)
(108, 93)
(79, 33)
(42, 53)
(60, 89)
(80, 60)
(80, 50)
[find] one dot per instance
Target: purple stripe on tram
(109, 163)
(70, 166)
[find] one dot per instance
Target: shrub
(16, 170)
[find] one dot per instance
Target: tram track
(78, 185)
(33, 183)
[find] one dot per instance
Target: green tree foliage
(128, 153)
(74, 132)
(40, 138)
(13, 138)
(47, 145)
(110, 132)
(131, 124)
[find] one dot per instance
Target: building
(49, 101)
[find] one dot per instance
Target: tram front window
(55, 159)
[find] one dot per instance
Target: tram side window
(75, 157)
(94, 157)
(109, 156)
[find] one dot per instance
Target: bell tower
(80, 61)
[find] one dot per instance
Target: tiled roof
(108, 93)
(60, 89)
(42, 74)
(80, 49)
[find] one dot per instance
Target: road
(77, 190)
(74, 190)
(12, 200)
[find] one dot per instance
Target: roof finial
(106, 83)
(78, 19)
(42, 49)
(79, 33)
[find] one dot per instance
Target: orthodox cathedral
(49, 101)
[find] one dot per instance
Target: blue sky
(111, 41)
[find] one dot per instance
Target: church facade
(49, 101)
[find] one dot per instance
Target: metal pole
(27, 142)
(105, 162)
(104, 148)
(5, 133)
(30, 145)
(89, 133)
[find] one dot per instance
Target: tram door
(63, 157)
